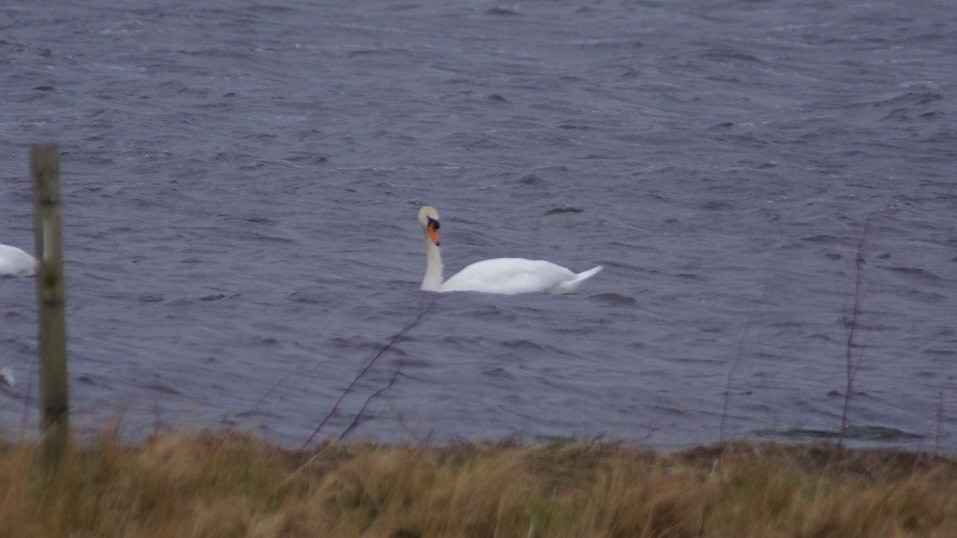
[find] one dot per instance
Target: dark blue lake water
(241, 185)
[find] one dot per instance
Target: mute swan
(502, 275)
(14, 261)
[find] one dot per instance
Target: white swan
(14, 261)
(502, 275)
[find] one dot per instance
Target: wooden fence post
(47, 224)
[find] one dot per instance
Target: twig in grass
(362, 371)
(727, 382)
(395, 338)
(276, 385)
(427, 440)
(296, 376)
(745, 340)
(849, 361)
(940, 417)
(26, 400)
(374, 395)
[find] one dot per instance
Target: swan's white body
(501, 275)
(14, 261)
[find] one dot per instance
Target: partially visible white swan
(14, 261)
(502, 275)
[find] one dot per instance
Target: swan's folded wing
(508, 276)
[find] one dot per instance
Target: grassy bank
(227, 484)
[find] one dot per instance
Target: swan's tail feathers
(570, 286)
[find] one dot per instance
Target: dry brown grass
(228, 484)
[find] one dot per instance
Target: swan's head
(429, 219)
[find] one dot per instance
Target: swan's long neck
(433, 268)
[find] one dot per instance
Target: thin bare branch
(374, 395)
(940, 415)
(849, 361)
(745, 341)
(362, 371)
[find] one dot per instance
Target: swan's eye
(433, 223)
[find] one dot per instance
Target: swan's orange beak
(433, 230)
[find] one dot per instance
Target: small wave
(922, 297)
(257, 413)
(913, 97)
(917, 101)
(307, 298)
(270, 8)
(531, 180)
(164, 389)
(616, 299)
(941, 136)
(860, 433)
(499, 372)
(569, 126)
(609, 44)
(503, 12)
(824, 239)
(915, 274)
(254, 236)
(564, 209)
(87, 380)
(360, 53)
(522, 345)
(722, 55)
(718, 205)
(217, 52)
(723, 126)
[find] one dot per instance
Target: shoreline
(227, 483)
